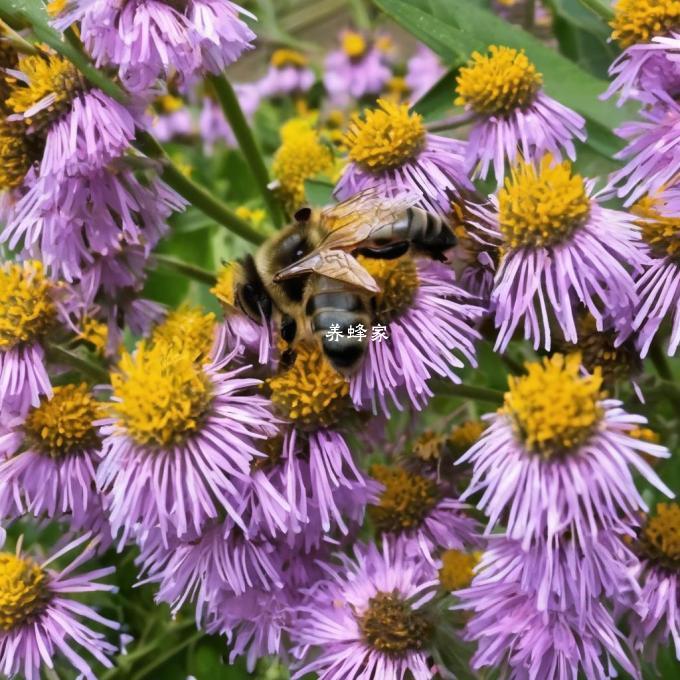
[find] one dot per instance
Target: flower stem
(360, 14)
(599, 7)
(15, 40)
(61, 355)
(160, 659)
(246, 140)
(196, 194)
(471, 392)
(192, 271)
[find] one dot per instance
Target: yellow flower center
(282, 58)
(498, 83)
(48, 76)
(638, 21)
(56, 7)
(405, 501)
(661, 233)
(26, 307)
(301, 156)
(187, 328)
(541, 208)
(463, 436)
(64, 424)
(16, 155)
(225, 288)
(397, 88)
(386, 138)
(253, 216)
(354, 44)
(23, 591)
(398, 281)
(554, 408)
(429, 446)
(162, 392)
(168, 103)
(311, 393)
(96, 333)
(457, 569)
(660, 538)
(391, 626)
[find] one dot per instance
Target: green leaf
(318, 192)
(437, 102)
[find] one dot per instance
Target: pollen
(285, 57)
(386, 138)
(311, 393)
(15, 155)
(52, 84)
(542, 207)
(301, 156)
(225, 288)
(429, 446)
(498, 83)
(26, 307)
(638, 21)
(161, 394)
(187, 328)
(660, 232)
(391, 626)
(554, 408)
(23, 591)
(64, 424)
(399, 283)
(354, 44)
(660, 537)
(463, 436)
(457, 569)
(9, 59)
(405, 501)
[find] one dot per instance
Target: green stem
(603, 10)
(660, 362)
(471, 392)
(190, 270)
(15, 40)
(167, 655)
(196, 194)
(244, 136)
(61, 355)
(360, 14)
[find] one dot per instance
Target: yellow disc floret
(554, 408)
(95, 333)
(161, 394)
(429, 446)
(386, 138)
(638, 21)
(286, 57)
(311, 393)
(499, 82)
(15, 155)
(64, 423)
(542, 207)
(660, 232)
(187, 328)
(405, 501)
(354, 44)
(23, 591)
(660, 538)
(398, 281)
(26, 306)
(457, 569)
(463, 436)
(225, 288)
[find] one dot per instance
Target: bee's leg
(288, 358)
(288, 329)
(391, 251)
(254, 302)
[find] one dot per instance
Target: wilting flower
(391, 149)
(155, 39)
(288, 74)
(368, 618)
(50, 457)
(512, 113)
(559, 247)
(27, 311)
(430, 324)
(180, 438)
(39, 620)
(558, 457)
(423, 70)
(356, 70)
(656, 616)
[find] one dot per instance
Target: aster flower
(40, 619)
(179, 439)
(559, 248)
(430, 322)
(457, 569)
(657, 611)
(558, 457)
(288, 74)
(151, 39)
(423, 70)
(50, 458)
(28, 309)
(368, 618)
(356, 70)
(391, 149)
(188, 328)
(512, 114)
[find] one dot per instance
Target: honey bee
(309, 276)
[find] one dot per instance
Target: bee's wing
(335, 264)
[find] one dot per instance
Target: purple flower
(423, 70)
(346, 627)
(430, 324)
(41, 619)
(170, 118)
(390, 149)
(180, 440)
(559, 248)
(558, 457)
(512, 114)
(288, 74)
